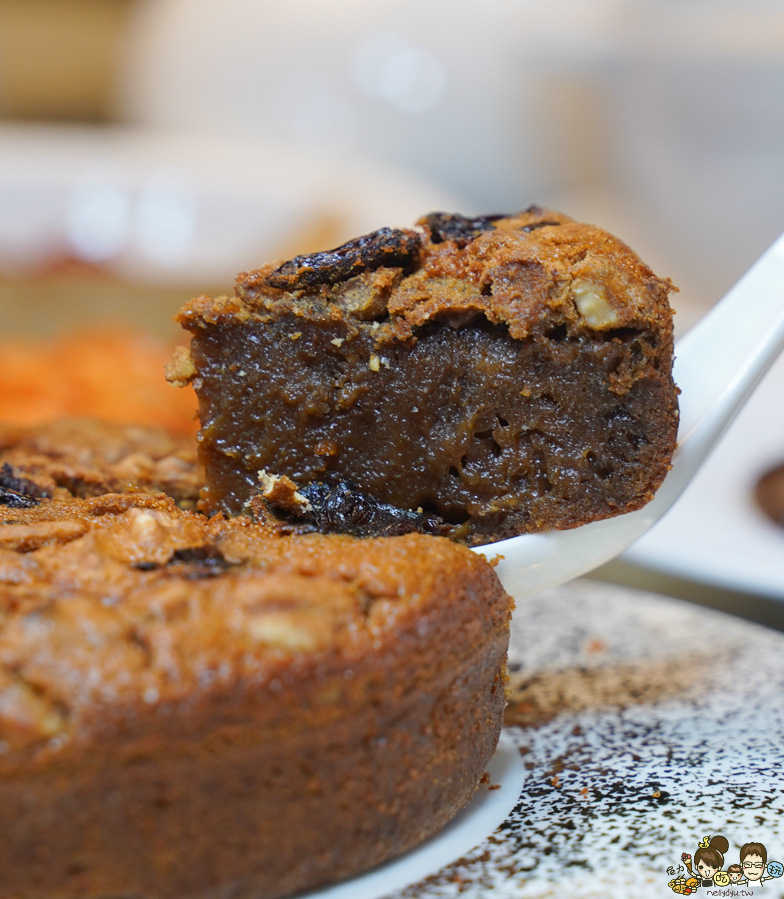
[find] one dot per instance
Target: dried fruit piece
(459, 228)
(16, 500)
(343, 509)
(388, 247)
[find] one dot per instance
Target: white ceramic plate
(715, 532)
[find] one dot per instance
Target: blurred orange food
(106, 373)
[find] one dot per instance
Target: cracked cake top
(515, 270)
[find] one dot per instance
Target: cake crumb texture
(506, 374)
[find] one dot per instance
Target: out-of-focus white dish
(715, 532)
(442, 87)
(174, 208)
(675, 107)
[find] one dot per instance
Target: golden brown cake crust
(81, 457)
(454, 278)
(190, 704)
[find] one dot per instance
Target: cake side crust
(150, 660)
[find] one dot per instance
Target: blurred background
(151, 149)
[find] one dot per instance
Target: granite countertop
(644, 724)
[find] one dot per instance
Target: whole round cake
(202, 707)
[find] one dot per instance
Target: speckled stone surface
(645, 723)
